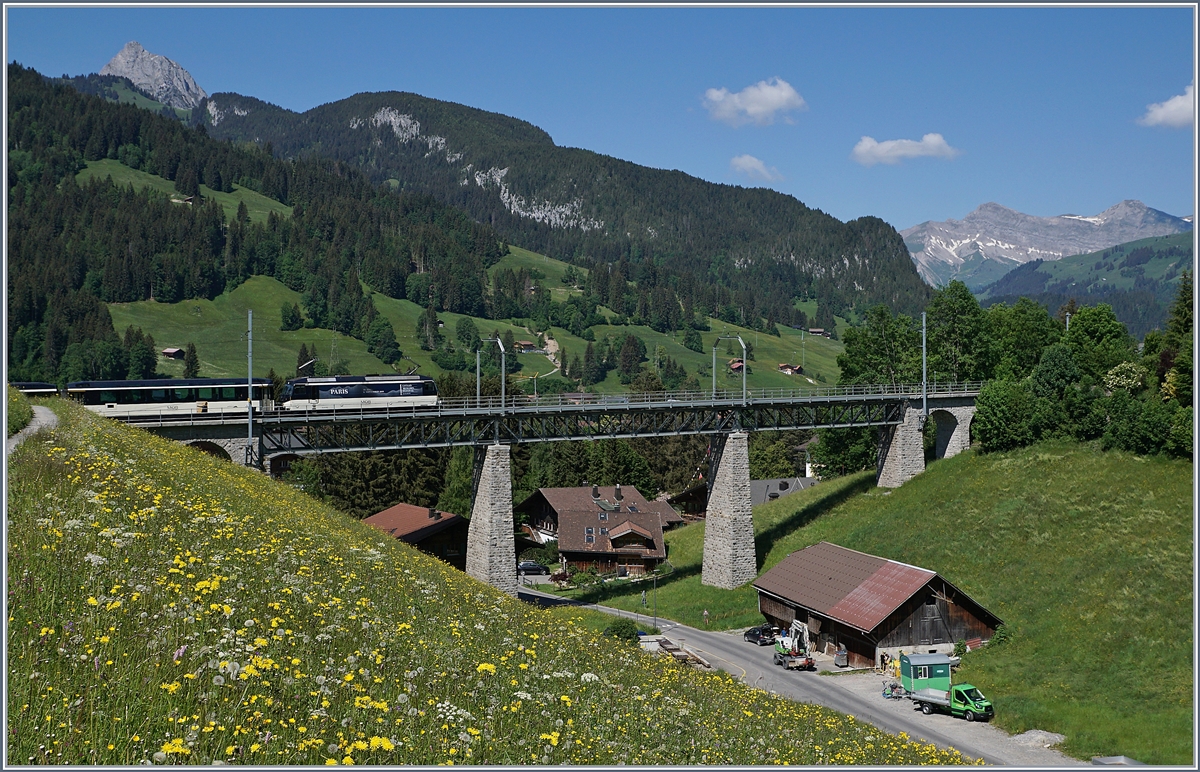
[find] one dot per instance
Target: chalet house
(870, 605)
(790, 369)
(173, 353)
(608, 529)
(526, 346)
(441, 534)
(735, 365)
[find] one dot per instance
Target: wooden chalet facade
(440, 534)
(608, 529)
(869, 605)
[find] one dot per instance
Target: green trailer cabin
(925, 671)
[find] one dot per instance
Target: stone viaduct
(729, 553)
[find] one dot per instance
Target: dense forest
(1142, 306)
(1089, 381)
(593, 210)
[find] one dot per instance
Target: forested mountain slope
(589, 208)
(73, 247)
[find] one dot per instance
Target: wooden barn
(441, 534)
(870, 605)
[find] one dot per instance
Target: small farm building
(606, 528)
(173, 353)
(441, 534)
(870, 605)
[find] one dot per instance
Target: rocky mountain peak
(156, 75)
(993, 239)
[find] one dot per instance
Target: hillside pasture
(257, 205)
(168, 607)
(1085, 555)
(218, 328)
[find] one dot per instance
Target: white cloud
(1176, 112)
(753, 168)
(868, 152)
(753, 104)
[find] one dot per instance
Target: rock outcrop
(157, 75)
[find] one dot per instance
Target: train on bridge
(231, 396)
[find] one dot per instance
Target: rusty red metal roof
(852, 587)
(411, 523)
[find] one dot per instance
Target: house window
(603, 531)
(589, 538)
(632, 508)
(589, 530)
(604, 517)
(922, 671)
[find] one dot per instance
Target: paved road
(43, 418)
(858, 695)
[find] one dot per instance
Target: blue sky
(1044, 110)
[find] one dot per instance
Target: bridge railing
(569, 402)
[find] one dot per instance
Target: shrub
(623, 628)
(1127, 375)
(19, 411)
(1002, 416)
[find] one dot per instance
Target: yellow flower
(486, 667)
(171, 687)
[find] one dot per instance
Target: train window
(430, 389)
(131, 397)
(206, 393)
(184, 395)
(104, 396)
(228, 392)
(158, 395)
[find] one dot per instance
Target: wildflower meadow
(166, 607)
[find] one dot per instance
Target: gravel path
(43, 418)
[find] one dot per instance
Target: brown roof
(411, 523)
(852, 587)
(578, 511)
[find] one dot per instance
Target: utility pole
(249, 385)
(924, 378)
(476, 376)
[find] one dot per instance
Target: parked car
(763, 635)
(531, 567)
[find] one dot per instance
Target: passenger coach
(123, 399)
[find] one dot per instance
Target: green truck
(926, 681)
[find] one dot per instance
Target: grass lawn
(218, 328)
(258, 205)
(1086, 556)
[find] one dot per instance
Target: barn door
(928, 622)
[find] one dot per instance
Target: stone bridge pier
(225, 448)
(729, 557)
(491, 551)
(901, 447)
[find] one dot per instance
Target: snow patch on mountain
(994, 239)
